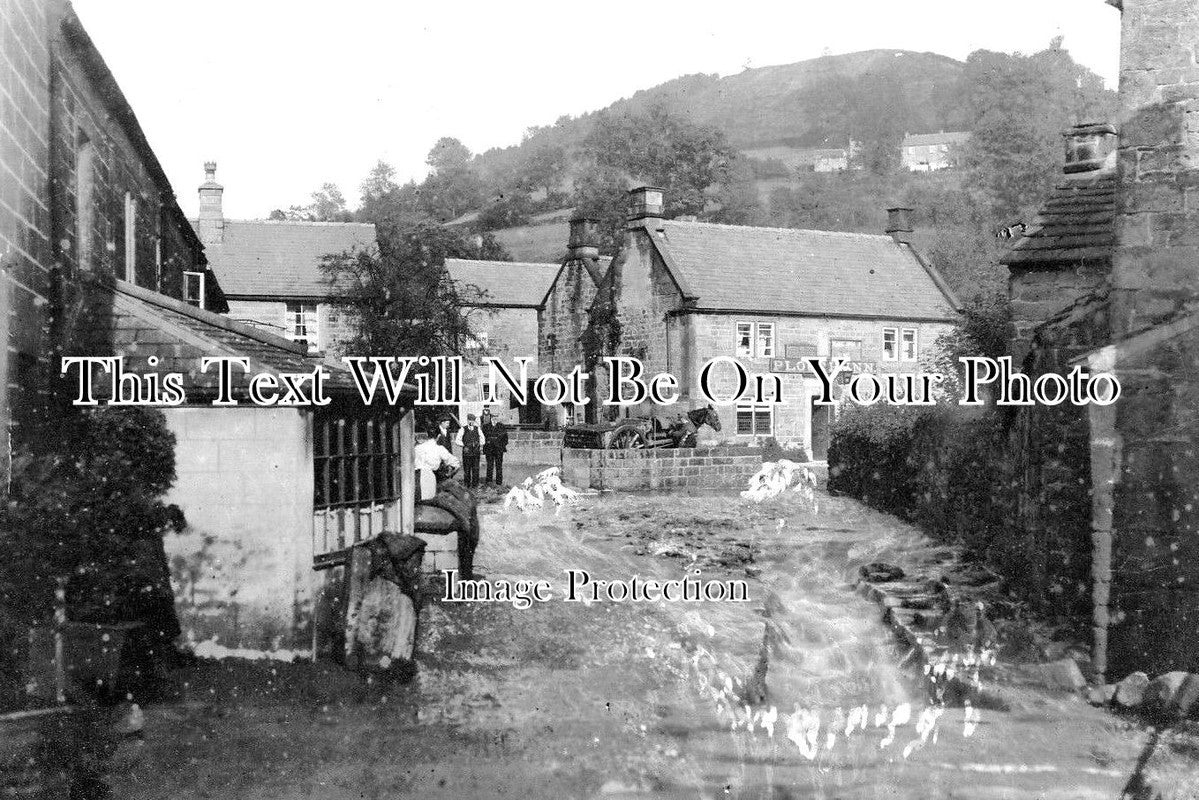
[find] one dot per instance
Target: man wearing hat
(496, 436)
(471, 440)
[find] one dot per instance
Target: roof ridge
(553, 264)
(314, 223)
(847, 234)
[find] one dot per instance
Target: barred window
(357, 459)
(755, 419)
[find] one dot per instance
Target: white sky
(288, 94)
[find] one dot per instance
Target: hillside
(793, 105)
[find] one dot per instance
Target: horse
(684, 432)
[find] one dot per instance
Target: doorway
(821, 430)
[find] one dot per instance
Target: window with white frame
(193, 288)
(755, 419)
(301, 326)
(890, 344)
(908, 349)
(765, 340)
(755, 339)
(130, 238)
(745, 340)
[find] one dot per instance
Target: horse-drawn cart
(636, 433)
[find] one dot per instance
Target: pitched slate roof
(517, 284)
(944, 137)
(788, 271)
(281, 258)
(1077, 223)
(126, 320)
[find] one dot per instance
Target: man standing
(443, 433)
(471, 440)
(497, 444)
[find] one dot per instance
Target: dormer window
(193, 288)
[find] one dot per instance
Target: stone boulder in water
(879, 572)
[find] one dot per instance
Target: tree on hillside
(688, 161)
(453, 187)
(1018, 107)
(328, 205)
(600, 193)
(399, 296)
(448, 154)
(544, 168)
(386, 203)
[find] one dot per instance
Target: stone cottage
(929, 152)
(502, 300)
(680, 293)
(270, 271)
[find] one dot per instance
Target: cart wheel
(627, 439)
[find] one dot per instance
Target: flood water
(800, 692)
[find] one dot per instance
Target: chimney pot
(1088, 147)
(584, 238)
(645, 204)
(211, 227)
(899, 224)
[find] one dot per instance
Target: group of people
(489, 440)
(436, 464)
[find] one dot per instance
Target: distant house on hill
(818, 159)
(679, 293)
(270, 271)
(928, 152)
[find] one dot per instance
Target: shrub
(868, 453)
(88, 509)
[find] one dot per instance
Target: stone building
(680, 293)
(502, 300)
(1133, 310)
(563, 316)
(929, 152)
(270, 271)
(99, 260)
(84, 199)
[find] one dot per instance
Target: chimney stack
(899, 225)
(1154, 274)
(211, 228)
(1089, 147)
(645, 207)
(584, 239)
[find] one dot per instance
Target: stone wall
(242, 570)
(561, 322)
(70, 155)
(511, 333)
(1154, 274)
(681, 468)
(24, 191)
(533, 447)
(334, 325)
